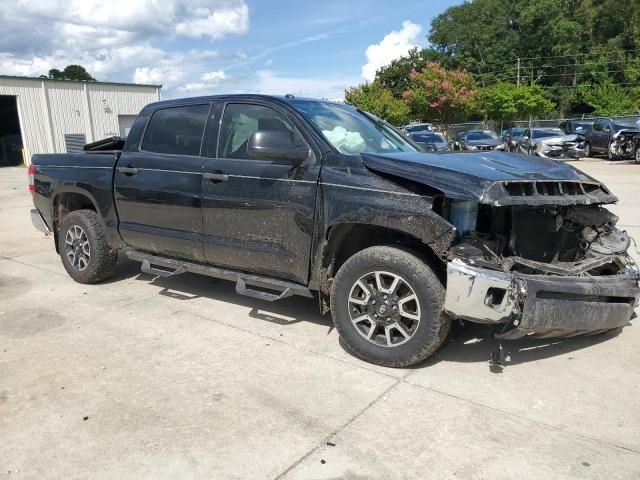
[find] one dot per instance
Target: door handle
(216, 177)
(128, 170)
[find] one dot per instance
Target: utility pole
(518, 71)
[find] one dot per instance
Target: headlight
(500, 147)
(471, 147)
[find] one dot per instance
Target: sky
(199, 47)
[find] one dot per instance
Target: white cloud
(216, 23)
(191, 18)
(214, 76)
(392, 46)
(114, 40)
(120, 41)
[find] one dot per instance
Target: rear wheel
(386, 304)
(86, 255)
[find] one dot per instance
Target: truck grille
(552, 188)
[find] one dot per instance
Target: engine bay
(560, 240)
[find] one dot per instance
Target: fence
(452, 130)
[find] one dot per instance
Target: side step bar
(170, 266)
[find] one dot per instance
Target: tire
(610, 155)
(85, 230)
(587, 150)
(637, 155)
(427, 330)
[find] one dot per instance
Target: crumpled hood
(626, 131)
(469, 175)
(559, 140)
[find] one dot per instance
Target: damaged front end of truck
(541, 258)
(535, 251)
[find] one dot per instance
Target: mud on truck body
(297, 196)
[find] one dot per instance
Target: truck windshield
(351, 131)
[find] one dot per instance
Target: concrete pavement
(182, 378)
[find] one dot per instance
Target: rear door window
(176, 130)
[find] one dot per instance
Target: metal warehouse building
(56, 116)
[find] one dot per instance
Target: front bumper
(540, 305)
(38, 221)
(560, 152)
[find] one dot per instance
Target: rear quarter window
(176, 130)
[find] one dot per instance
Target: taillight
(31, 172)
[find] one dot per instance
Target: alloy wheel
(77, 248)
(384, 308)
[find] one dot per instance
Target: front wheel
(637, 156)
(587, 150)
(386, 304)
(86, 255)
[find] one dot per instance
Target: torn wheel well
(345, 240)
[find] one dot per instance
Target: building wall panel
(33, 119)
(89, 108)
(109, 101)
(67, 105)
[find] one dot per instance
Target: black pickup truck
(288, 196)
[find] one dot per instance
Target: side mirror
(276, 145)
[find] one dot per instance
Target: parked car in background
(636, 148)
(478, 140)
(611, 137)
(510, 138)
(576, 126)
(417, 127)
(430, 141)
(552, 143)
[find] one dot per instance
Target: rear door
(158, 185)
(258, 214)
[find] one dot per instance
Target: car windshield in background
(350, 131)
(416, 128)
(548, 132)
(517, 132)
(428, 137)
(481, 136)
(582, 127)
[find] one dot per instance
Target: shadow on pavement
(468, 343)
(474, 343)
(188, 286)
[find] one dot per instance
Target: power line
(512, 62)
(582, 54)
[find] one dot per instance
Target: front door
(258, 214)
(158, 186)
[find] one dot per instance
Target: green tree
(374, 98)
(70, 72)
(607, 99)
(506, 102)
(481, 36)
(441, 95)
(395, 76)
